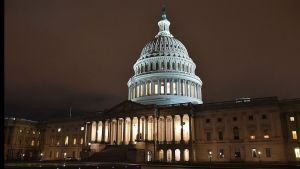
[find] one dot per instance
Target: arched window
(162, 65)
(186, 128)
(236, 134)
(156, 67)
(161, 129)
(150, 128)
(161, 155)
(151, 66)
(173, 66)
(178, 65)
(177, 155)
(169, 155)
(177, 128)
(186, 155)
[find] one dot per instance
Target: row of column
(129, 130)
(165, 87)
(163, 66)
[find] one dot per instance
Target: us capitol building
(165, 119)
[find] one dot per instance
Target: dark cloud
(59, 53)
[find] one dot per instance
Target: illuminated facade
(164, 119)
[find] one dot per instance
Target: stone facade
(164, 119)
(23, 139)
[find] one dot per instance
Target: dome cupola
(164, 72)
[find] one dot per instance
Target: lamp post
(259, 156)
(209, 156)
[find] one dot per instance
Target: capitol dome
(164, 72)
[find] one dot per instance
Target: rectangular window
(74, 141)
(297, 152)
(142, 90)
(138, 91)
(174, 87)
(155, 88)
(162, 87)
(192, 90)
(237, 153)
(266, 136)
(294, 135)
(250, 117)
(221, 153)
(81, 141)
(148, 88)
(183, 88)
(292, 118)
(254, 152)
(252, 137)
(168, 88)
(188, 90)
(268, 152)
(220, 135)
(208, 136)
(82, 128)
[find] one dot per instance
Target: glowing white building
(164, 73)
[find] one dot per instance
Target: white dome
(164, 72)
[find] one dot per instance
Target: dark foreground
(95, 165)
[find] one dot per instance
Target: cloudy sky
(81, 52)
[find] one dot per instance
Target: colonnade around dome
(180, 87)
(170, 64)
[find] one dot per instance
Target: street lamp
(209, 156)
(259, 155)
(41, 156)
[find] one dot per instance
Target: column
(138, 138)
(190, 128)
(96, 139)
(124, 127)
(172, 86)
(152, 87)
(117, 131)
(85, 134)
(173, 121)
(165, 87)
(109, 131)
(158, 85)
(178, 87)
(130, 142)
(103, 132)
(181, 123)
(146, 129)
(165, 130)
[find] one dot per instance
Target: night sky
(81, 52)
